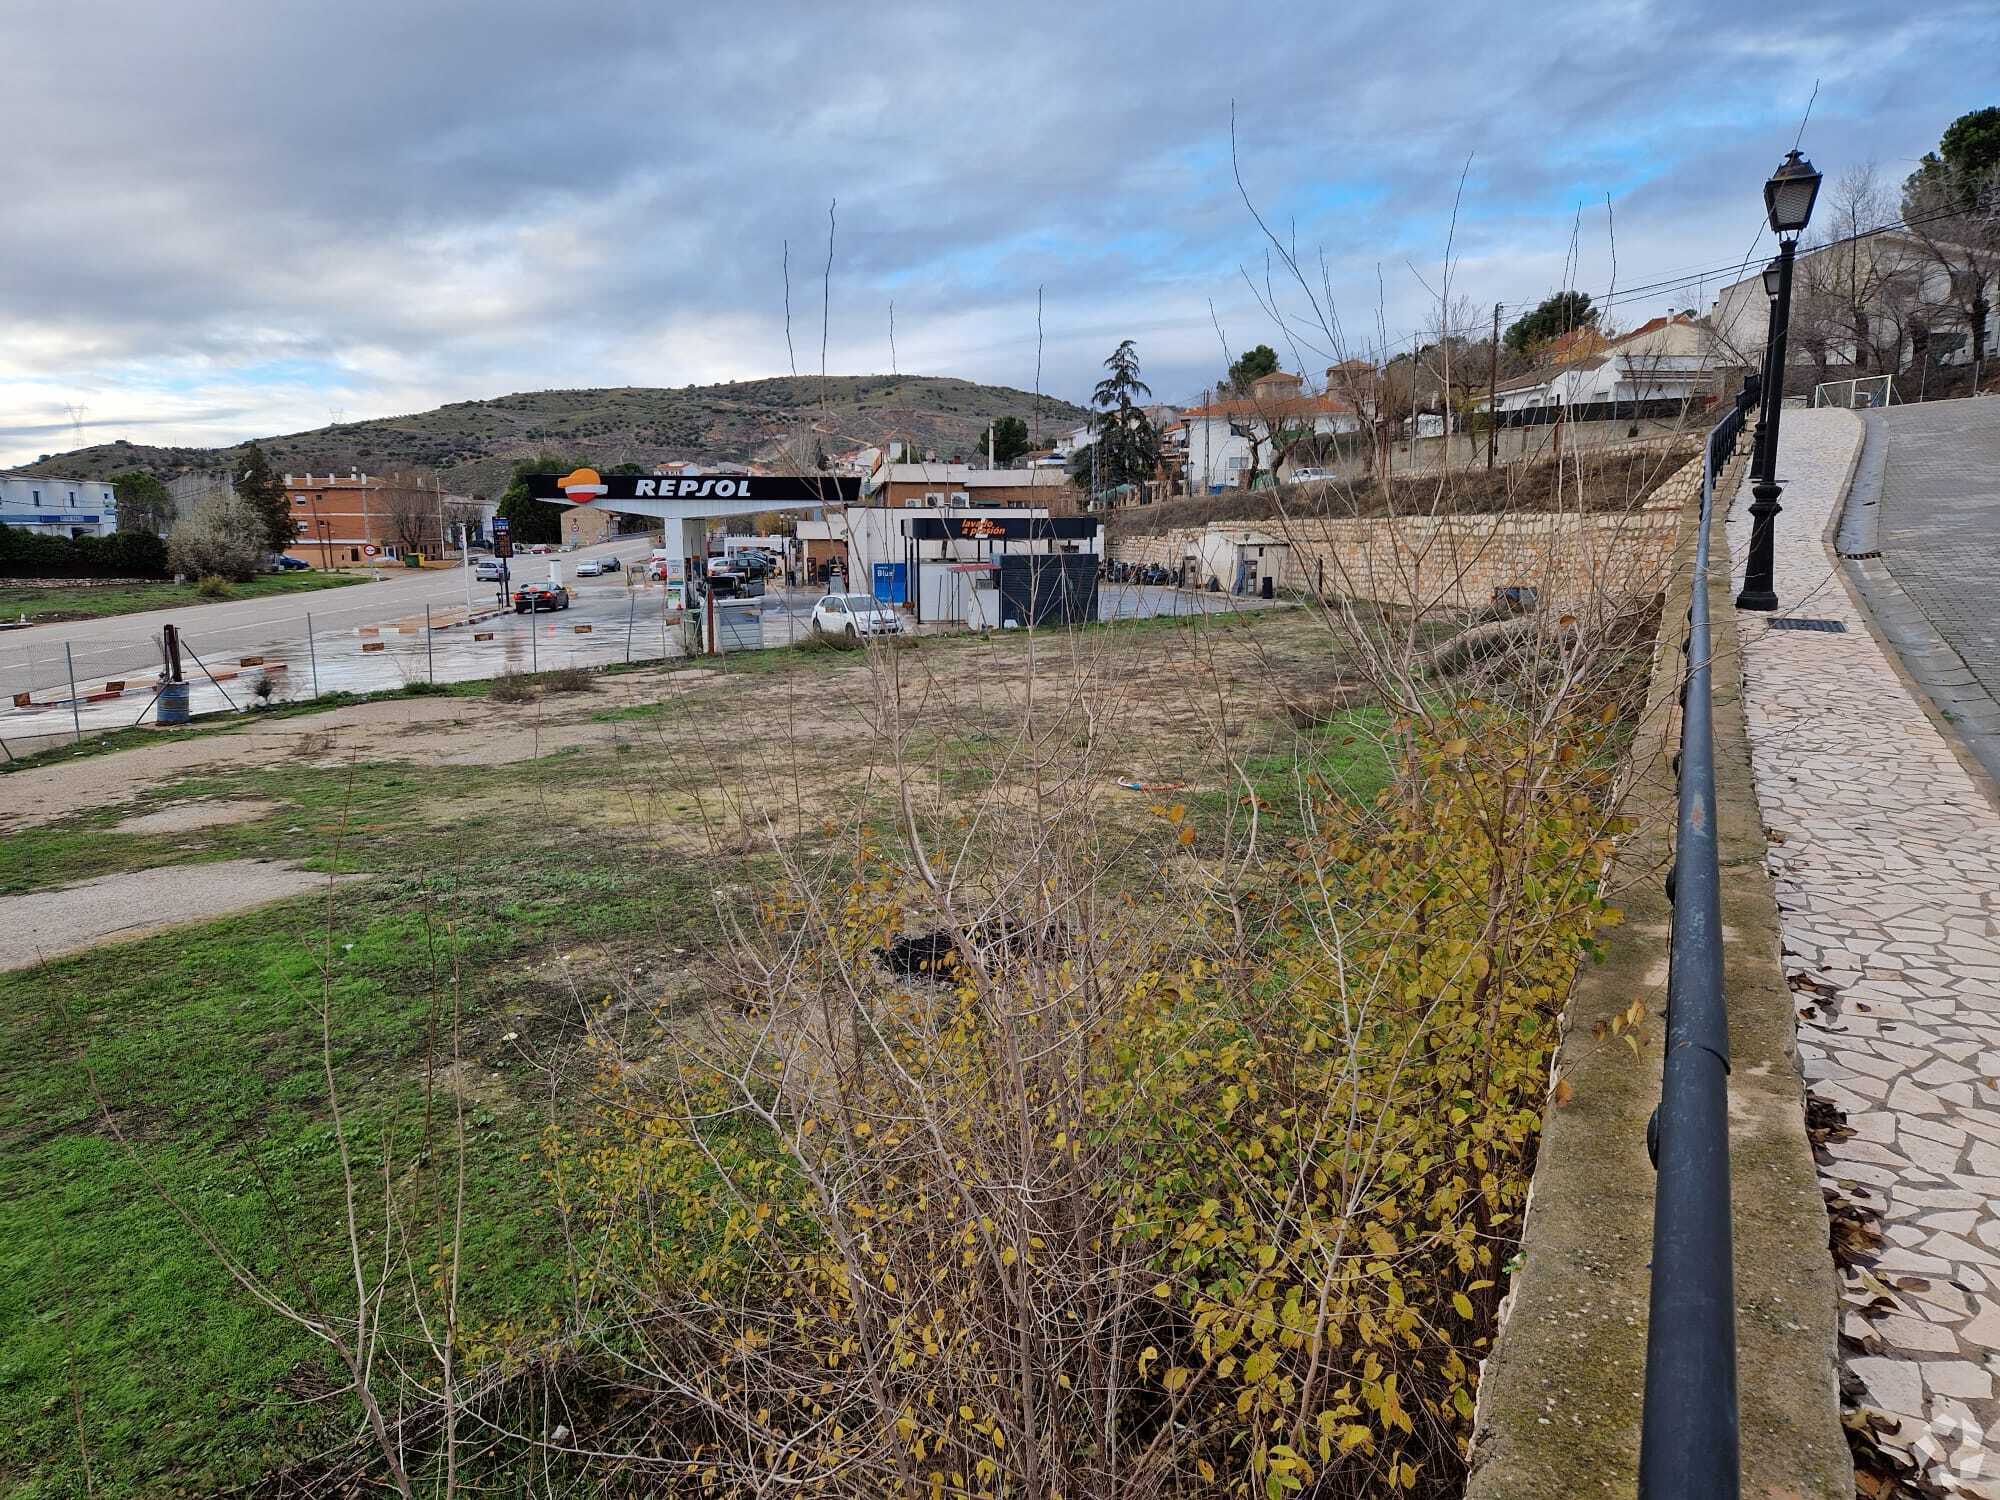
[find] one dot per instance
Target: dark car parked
(531, 597)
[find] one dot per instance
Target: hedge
(123, 554)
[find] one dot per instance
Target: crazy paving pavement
(1885, 850)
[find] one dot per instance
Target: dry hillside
(473, 444)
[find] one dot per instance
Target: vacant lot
(52, 606)
(508, 874)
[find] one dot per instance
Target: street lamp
(1788, 200)
(1773, 274)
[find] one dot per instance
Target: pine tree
(264, 492)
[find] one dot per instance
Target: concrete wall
(1559, 1398)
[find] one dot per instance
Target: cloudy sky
(225, 219)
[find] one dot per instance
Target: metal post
(1493, 393)
(534, 640)
(1758, 470)
(312, 652)
(631, 605)
(430, 659)
(1759, 578)
(75, 713)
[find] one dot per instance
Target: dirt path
(432, 731)
(120, 908)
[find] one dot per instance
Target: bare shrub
(1187, 1165)
(569, 680)
(514, 687)
(223, 539)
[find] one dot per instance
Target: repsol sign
(588, 487)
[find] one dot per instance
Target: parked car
(530, 598)
(541, 549)
(489, 570)
(751, 560)
(283, 564)
(591, 567)
(611, 565)
(854, 616)
(1311, 476)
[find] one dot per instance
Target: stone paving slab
(1885, 854)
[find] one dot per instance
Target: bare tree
(1956, 219)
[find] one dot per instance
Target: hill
(474, 444)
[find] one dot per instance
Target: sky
(222, 219)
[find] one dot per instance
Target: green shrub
(214, 586)
(124, 554)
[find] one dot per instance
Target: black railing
(1688, 1446)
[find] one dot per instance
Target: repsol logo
(693, 489)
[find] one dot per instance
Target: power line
(1668, 285)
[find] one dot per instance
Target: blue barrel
(173, 703)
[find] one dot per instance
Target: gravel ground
(185, 816)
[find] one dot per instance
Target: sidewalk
(1886, 857)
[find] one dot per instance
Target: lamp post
(1773, 274)
(1788, 200)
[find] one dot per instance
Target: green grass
(204, 1044)
(1343, 758)
(131, 598)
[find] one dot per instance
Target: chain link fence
(63, 683)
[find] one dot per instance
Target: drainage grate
(1800, 622)
(1860, 556)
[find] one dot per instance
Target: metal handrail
(1689, 1445)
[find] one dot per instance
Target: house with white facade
(1876, 304)
(1228, 440)
(58, 507)
(1667, 359)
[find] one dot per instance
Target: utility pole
(1493, 392)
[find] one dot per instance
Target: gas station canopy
(686, 497)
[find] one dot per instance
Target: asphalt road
(126, 646)
(375, 636)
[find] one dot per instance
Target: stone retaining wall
(1560, 1397)
(1453, 562)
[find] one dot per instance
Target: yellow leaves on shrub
(1272, 1191)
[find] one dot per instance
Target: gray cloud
(373, 203)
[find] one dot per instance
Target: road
(377, 636)
(1940, 526)
(126, 646)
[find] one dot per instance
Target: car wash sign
(656, 494)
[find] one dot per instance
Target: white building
(904, 484)
(1876, 304)
(1666, 359)
(58, 507)
(1228, 440)
(943, 562)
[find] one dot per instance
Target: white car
(1312, 476)
(591, 567)
(854, 616)
(489, 570)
